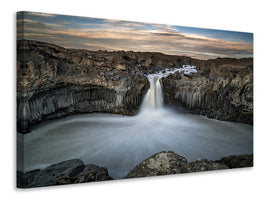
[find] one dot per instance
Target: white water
(121, 142)
(154, 98)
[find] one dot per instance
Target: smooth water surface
(121, 142)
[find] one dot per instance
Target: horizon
(96, 34)
(111, 51)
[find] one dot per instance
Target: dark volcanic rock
(220, 90)
(54, 82)
(165, 163)
(67, 172)
(237, 161)
(24, 179)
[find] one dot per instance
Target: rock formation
(223, 89)
(166, 163)
(53, 82)
(67, 172)
(237, 161)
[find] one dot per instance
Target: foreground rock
(237, 161)
(165, 163)
(67, 172)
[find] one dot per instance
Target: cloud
(136, 36)
(41, 14)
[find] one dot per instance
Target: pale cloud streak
(41, 14)
(97, 34)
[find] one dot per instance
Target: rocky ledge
(67, 172)
(166, 163)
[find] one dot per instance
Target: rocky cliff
(53, 81)
(223, 89)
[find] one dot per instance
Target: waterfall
(153, 100)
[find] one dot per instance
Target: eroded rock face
(223, 89)
(53, 82)
(165, 163)
(67, 172)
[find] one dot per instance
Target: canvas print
(102, 99)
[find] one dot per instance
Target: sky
(113, 35)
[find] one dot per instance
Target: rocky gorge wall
(53, 81)
(223, 89)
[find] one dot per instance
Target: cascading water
(121, 142)
(154, 97)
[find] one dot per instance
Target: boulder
(24, 179)
(165, 163)
(66, 172)
(237, 161)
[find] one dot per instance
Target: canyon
(54, 82)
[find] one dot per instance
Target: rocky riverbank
(54, 82)
(162, 163)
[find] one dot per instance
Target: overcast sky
(105, 34)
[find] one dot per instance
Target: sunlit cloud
(104, 34)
